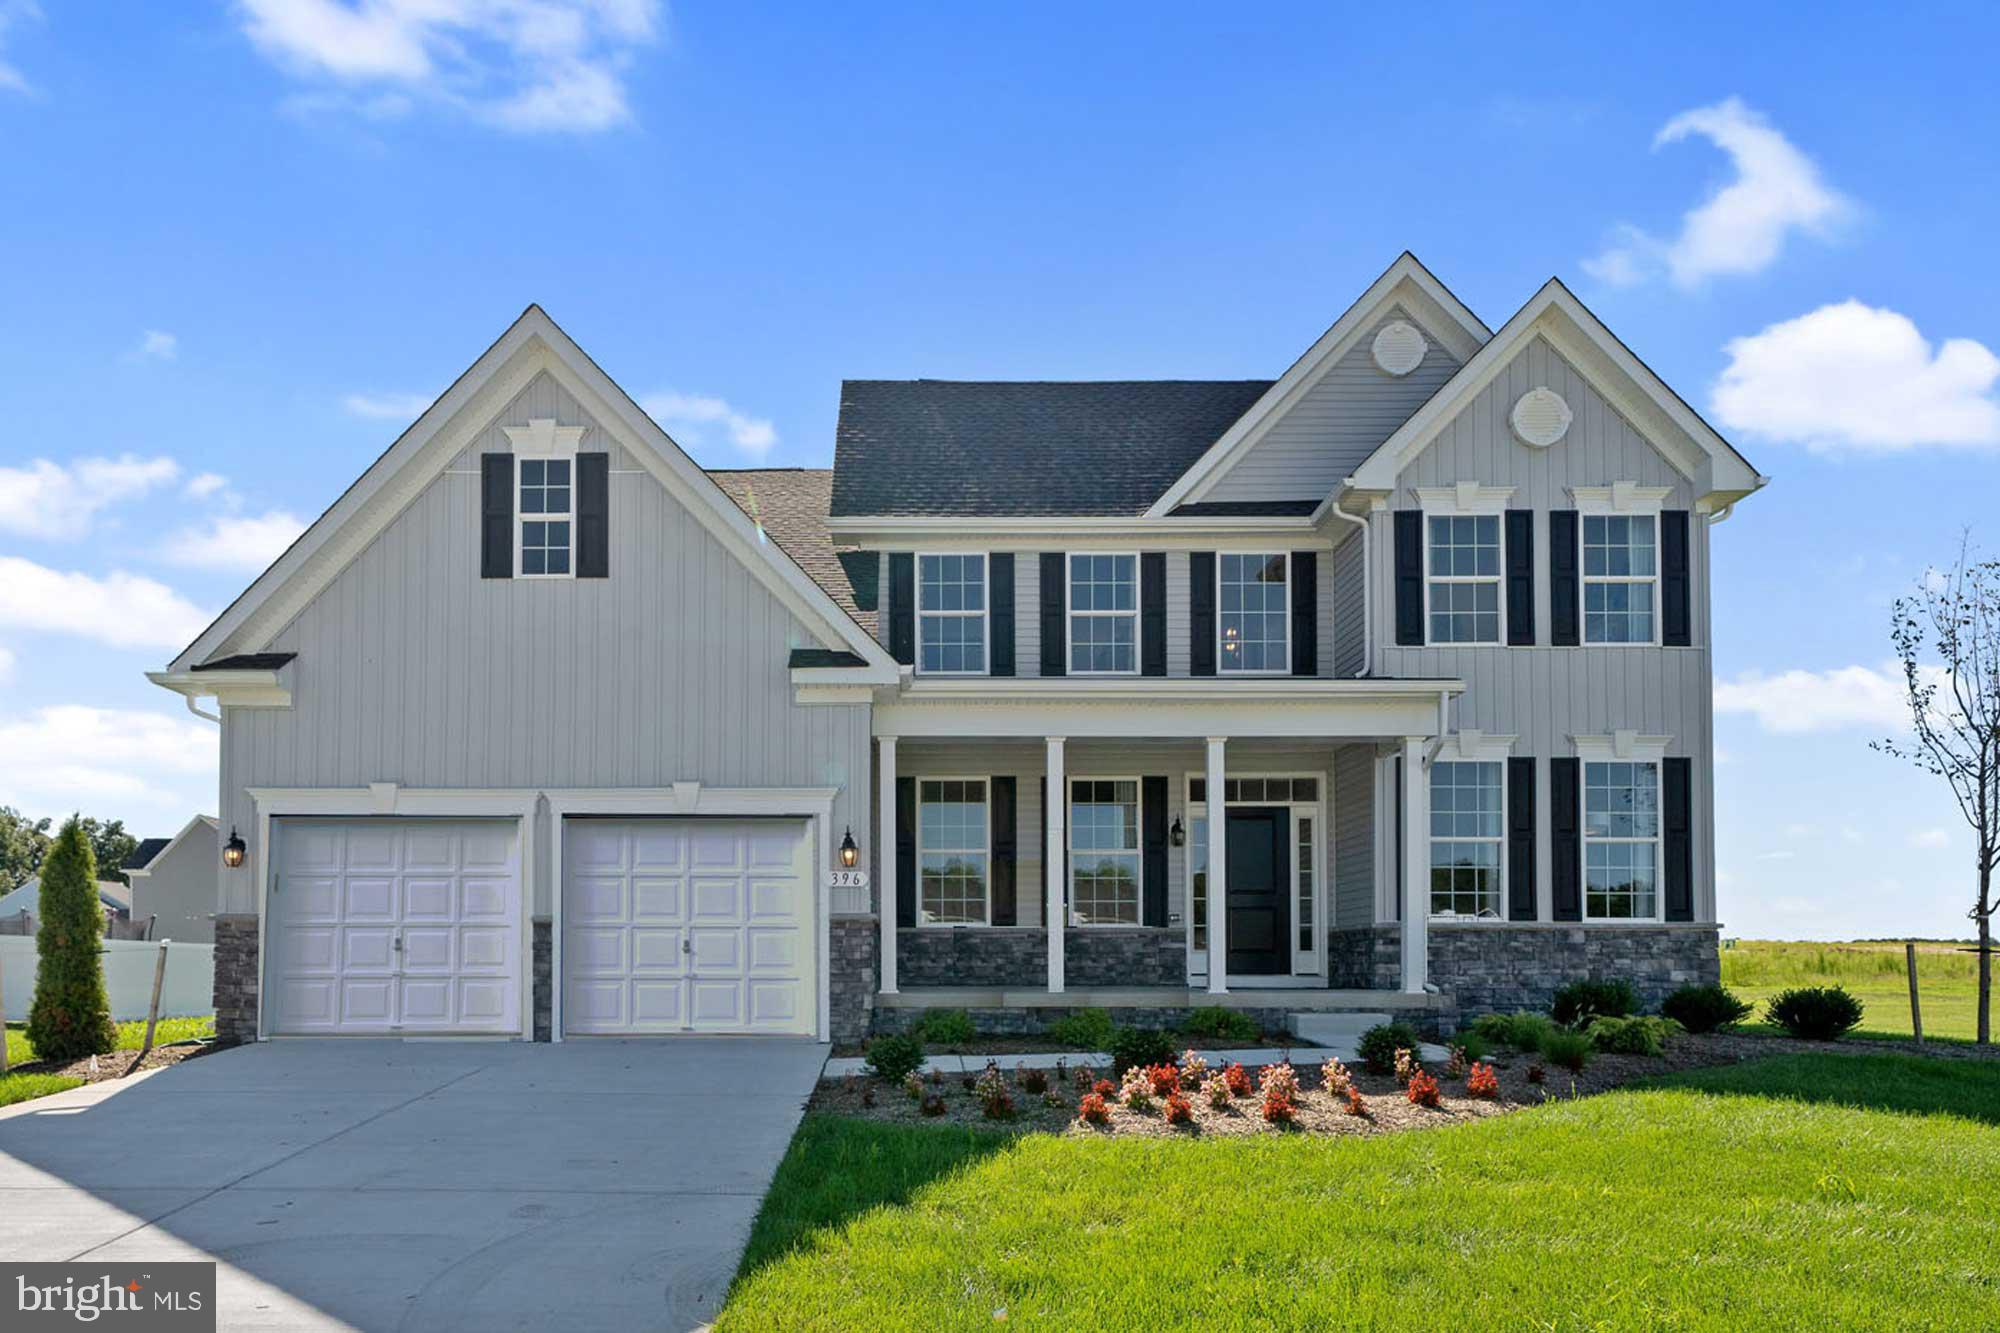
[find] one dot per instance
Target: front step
(1339, 1028)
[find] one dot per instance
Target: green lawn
(130, 1035)
(1947, 981)
(1726, 1199)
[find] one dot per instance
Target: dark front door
(1259, 886)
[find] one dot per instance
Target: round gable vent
(1399, 348)
(1541, 417)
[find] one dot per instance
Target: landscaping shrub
(1357, 1105)
(1216, 1023)
(913, 1087)
(1279, 1080)
(1482, 1082)
(1166, 1079)
(1194, 1069)
(1333, 1076)
(1179, 1110)
(1523, 1031)
(946, 1027)
(1641, 1034)
(1137, 1089)
(1237, 1079)
(1093, 1110)
(1034, 1081)
(1139, 1047)
(1104, 1087)
(933, 1104)
(1380, 1043)
(71, 1014)
(1279, 1109)
(1406, 1064)
(895, 1056)
(1536, 1073)
(1215, 1088)
(991, 1090)
(1423, 1089)
(1475, 1047)
(1580, 1001)
(1704, 1008)
(1456, 1061)
(1815, 1013)
(1085, 1030)
(1565, 1049)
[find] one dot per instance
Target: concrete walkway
(421, 1185)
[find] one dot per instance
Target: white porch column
(1057, 806)
(1218, 874)
(1416, 865)
(885, 857)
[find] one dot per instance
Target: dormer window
(547, 517)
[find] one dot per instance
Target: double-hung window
(951, 615)
(1620, 578)
(1104, 851)
(1103, 613)
(1464, 579)
(952, 852)
(1253, 613)
(547, 517)
(1621, 841)
(1466, 837)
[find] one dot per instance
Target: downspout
(1722, 514)
(189, 699)
(1367, 592)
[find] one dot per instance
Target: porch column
(885, 857)
(1057, 806)
(1416, 865)
(1218, 874)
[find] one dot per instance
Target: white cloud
(120, 609)
(387, 406)
(12, 12)
(156, 346)
(1743, 225)
(46, 499)
(246, 543)
(687, 415)
(527, 65)
(6, 665)
(1792, 702)
(1854, 376)
(204, 485)
(117, 763)
(1930, 838)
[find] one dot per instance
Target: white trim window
(954, 852)
(1104, 852)
(951, 614)
(1253, 618)
(546, 489)
(1620, 578)
(1621, 840)
(1103, 614)
(1462, 577)
(1468, 855)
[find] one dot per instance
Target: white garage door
(395, 925)
(687, 925)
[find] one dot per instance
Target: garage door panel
(595, 898)
(365, 1001)
(481, 1000)
(658, 951)
(311, 850)
(484, 948)
(311, 1004)
(429, 899)
(662, 901)
(592, 847)
(373, 847)
(774, 951)
(717, 847)
(716, 951)
(313, 950)
(714, 898)
(716, 1005)
(660, 848)
(590, 952)
(773, 899)
(427, 1002)
(369, 899)
(428, 850)
(656, 1004)
(774, 1005)
(595, 1003)
(367, 948)
(312, 898)
(429, 949)
(770, 849)
(484, 899)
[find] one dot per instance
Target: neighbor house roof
(1038, 447)
(789, 505)
(142, 855)
(28, 897)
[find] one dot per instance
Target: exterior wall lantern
(849, 853)
(233, 850)
(1177, 835)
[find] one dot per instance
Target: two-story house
(1382, 684)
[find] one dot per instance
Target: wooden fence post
(152, 1011)
(1916, 1010)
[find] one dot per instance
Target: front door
(1259, 886)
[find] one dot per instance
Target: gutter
(1367, 591)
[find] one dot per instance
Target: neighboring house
(542, 730)
(173, 882)
(115, 898)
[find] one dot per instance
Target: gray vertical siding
(1179, 631)
(1344, 603)
(1354, 836)
(414, 670)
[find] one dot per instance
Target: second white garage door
(687, 925)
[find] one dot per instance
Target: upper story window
(1253, 616)
(547, 518)
(952, 852)
(1104, 851)
(1103, 613)
(951, 615)
(1464, 582)
(1620, 578)
(1621, 841)
(1466, 835)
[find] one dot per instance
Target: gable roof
(532, 345)
(27, 897)
(927, 448)
(143, 854)
(790, 505)
(152, 849)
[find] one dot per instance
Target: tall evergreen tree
(71, 1016)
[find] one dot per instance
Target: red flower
(1093, 1110)
(1423, 1089)
(1238, 1079)
(1357, 1105)
(1104, 1087)
(1483, 1082)
(1179, 1111)
(1278, 1109)
(1165, 1078)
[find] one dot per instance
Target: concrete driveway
(421, 1185)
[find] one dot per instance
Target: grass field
(1947, 981)
(130, 1035)
(1727, 1199)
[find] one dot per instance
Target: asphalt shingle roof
(957, 447)
(790, 504)
(142, 855)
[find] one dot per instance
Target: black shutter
(1675, 619)
(1201, 613)
(903, 607)
(1055, 593)
(496, 516)
(1679, 827)
(1409, 577)
(1153, 613)
(1520, 839)
(593, 516)
(1003, 809)
(1305, 613)
(1000, 598)
(1564, 591)
(1153, 839)
(906, 851)
(1520, 577)
(1565, 853)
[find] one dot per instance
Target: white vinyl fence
(128, 976)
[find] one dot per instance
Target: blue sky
(245, 242)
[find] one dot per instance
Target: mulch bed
(115, 1064)
(1389, 1110)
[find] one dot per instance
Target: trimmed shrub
(1475, 1047)
(1592, 997)
(71, 1014)
(946, 1027)
(1704, 1008)
(1523, 1031)
(1084, 1030)
(1641, 1034)
(1423, 1089)
(1566, 1050)
(1482, 1082)
(1815, 1013)
(1093, 1110)
(1139, 1047)
(896, 1056)
(1380, 1043)
(1215, 1023)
